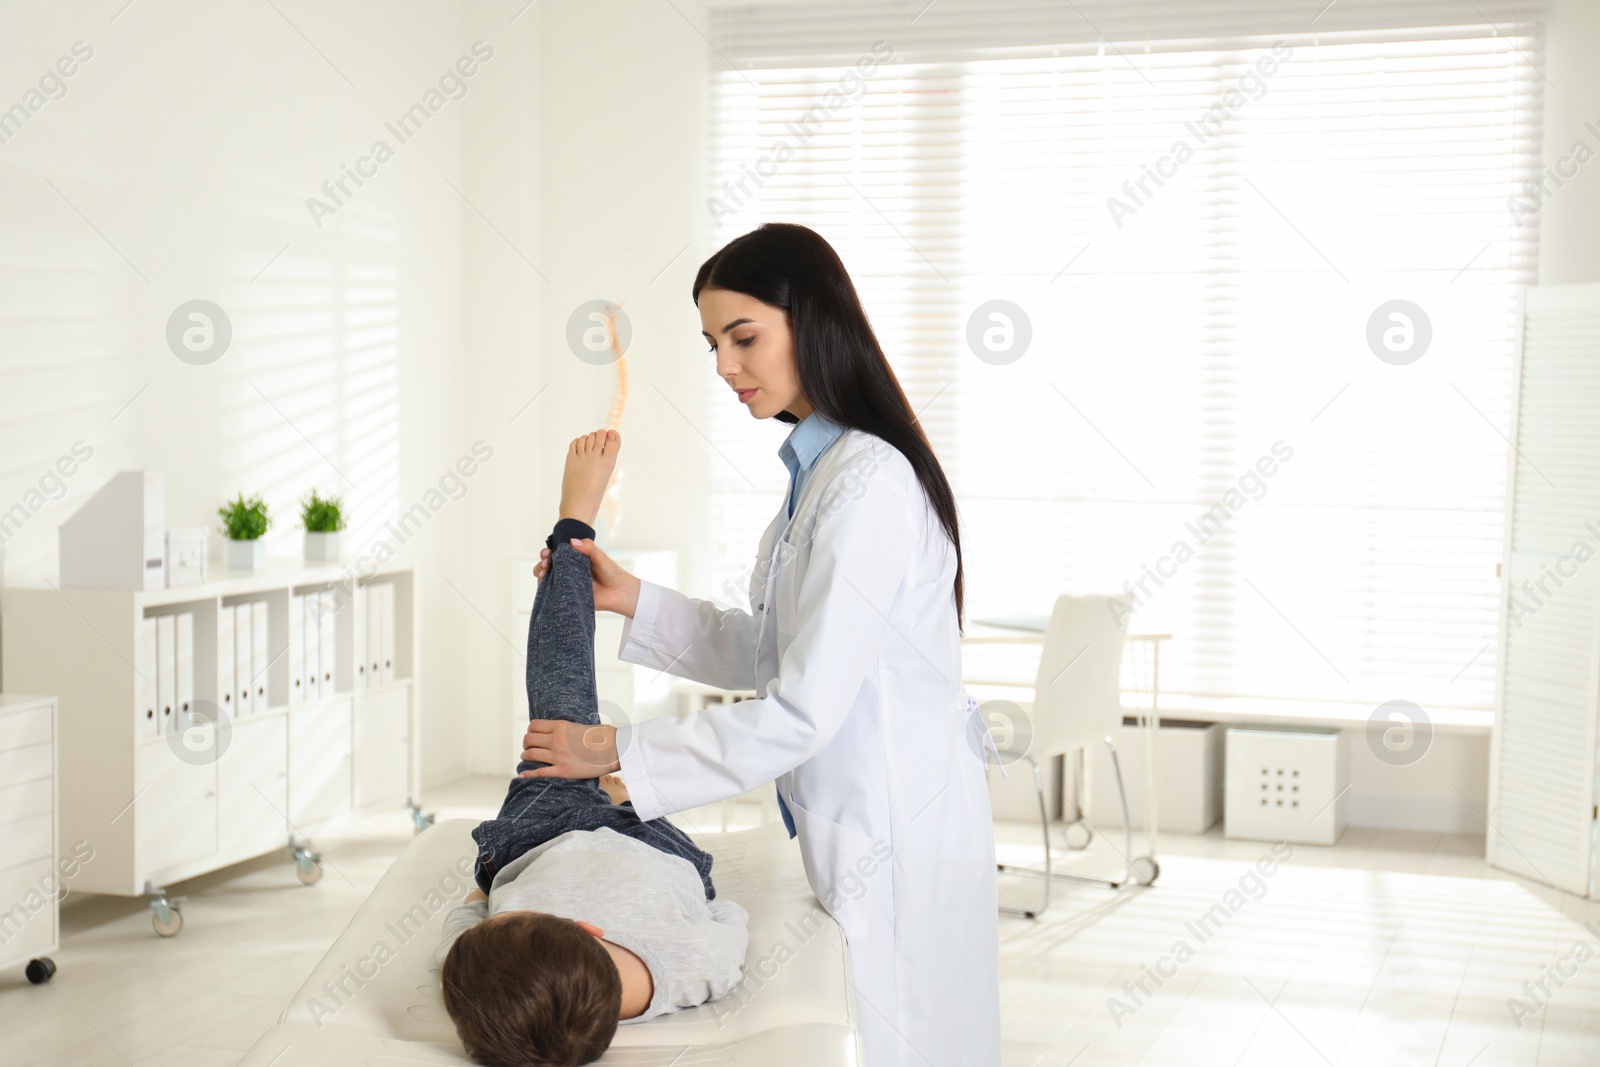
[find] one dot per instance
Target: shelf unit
(184, 753)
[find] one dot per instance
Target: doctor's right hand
(614, 588)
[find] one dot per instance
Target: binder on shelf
(326, 631)
(184, 624)
(371, 602)
(297, 650)
(243, 670)
(309, 642)
(225, 653)
(386, 632)
(358, 638)
(166, 671)
(260, 658)
(146, 679)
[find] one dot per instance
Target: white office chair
(1077, 703)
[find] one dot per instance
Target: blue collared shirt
(810, 438)
(806, 443)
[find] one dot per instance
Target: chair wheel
(172, 926)
(1145, 870)
(41, 970)
(1078, 835)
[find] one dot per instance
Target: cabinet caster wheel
(41, 970)
(307, 866)
(420, 819)
(1078, 835)
(164, 913)
(169, 926)
(1145, 870)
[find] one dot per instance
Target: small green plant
(245, 520)
(321, 514)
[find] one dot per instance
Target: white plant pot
(322, 547)
(247, 556)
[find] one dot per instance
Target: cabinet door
(253, 787)
(176, 806)
(319, 761)
(383, 746)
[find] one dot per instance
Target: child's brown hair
(526, 989)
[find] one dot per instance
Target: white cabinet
(253, 786)
(30, 876)
(186, 744)
(319, 761)
(175, 813)
(382, 741)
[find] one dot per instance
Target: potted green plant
(323, 518)
(244, 522)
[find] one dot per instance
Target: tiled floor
(1389, 948)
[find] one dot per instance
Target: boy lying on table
(591, 917)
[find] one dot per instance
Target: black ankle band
(565, 530)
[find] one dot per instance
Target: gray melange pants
(561, 685)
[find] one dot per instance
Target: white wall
(1569, 220)
(177, 165)
(590, 162)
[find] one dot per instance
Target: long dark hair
(842, 368)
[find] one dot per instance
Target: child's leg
(560, 670)
(560, 675)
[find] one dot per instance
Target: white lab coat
(852, 639)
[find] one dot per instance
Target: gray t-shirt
(651, 903)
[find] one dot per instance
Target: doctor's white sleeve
(860, 557)
(690, 638)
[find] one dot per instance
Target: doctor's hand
(614, 588)
(572, 749)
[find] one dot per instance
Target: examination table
(374, 999)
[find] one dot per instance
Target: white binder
(372, 602)
(297, 650)
(260, 658)
(243, 669)
(146, 656)
(326, 630)
(312, 649)
(386, 637)
(184, 624)
(225, 653)
(358, 637)
(166, 671)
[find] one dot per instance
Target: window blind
(1205, 212)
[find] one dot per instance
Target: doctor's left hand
(572, 749)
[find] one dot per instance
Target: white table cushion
(375, 997)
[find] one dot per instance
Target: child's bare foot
(614, 787)
(590, 461)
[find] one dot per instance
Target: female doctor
(852, 641)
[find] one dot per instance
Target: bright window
(1202, 236)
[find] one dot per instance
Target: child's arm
(462, 918)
